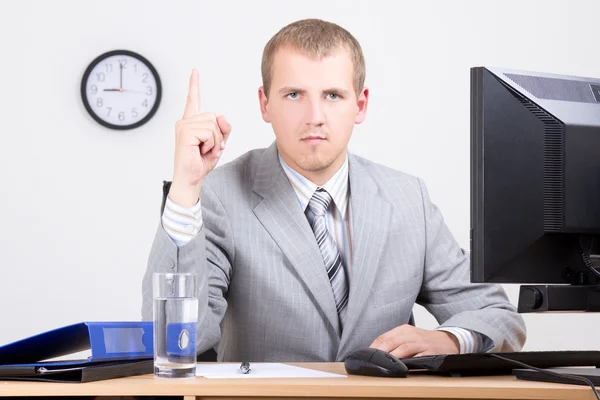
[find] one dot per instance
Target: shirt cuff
(182, 224)
(470, 341)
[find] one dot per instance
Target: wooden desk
(414, 387)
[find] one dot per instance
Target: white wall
(80, 203)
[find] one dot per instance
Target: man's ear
(362, 102)
(262, 98)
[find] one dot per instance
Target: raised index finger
(192, 106)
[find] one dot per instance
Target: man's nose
(316, 113)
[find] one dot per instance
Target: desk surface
(416, 386)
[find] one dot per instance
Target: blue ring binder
(117, 349)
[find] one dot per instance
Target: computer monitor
(535, 186)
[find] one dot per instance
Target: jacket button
(171, 264)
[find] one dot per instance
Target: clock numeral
(145, 103)
(94, 89)
(149, 90)
(134, 113)
(121, 116)
(123, 62)
(145, 75)
(109, 109)
(99, 102)
(109, 68)
(100, 76)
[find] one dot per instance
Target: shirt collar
(336, 186)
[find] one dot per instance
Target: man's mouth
(313, 139)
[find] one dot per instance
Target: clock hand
(121, 76)
(123, 90)
(131, 91)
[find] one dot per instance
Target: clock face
(121, 89)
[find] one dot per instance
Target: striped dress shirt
(182, 224)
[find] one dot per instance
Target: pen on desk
(245, 367)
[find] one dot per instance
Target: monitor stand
(538, 298)
(593, 374)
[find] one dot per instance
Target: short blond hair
(318, 39)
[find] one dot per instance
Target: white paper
(260, 370)
(79, 356)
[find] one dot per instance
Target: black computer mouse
(375, 362)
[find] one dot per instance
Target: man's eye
(333, 96)
(293, 95)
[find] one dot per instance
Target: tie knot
(319, 202)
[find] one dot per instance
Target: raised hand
(199, 141)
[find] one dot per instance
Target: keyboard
(484, 364)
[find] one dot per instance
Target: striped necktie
(333, 261)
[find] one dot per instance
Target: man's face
(312, 106)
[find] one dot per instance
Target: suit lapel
(370, 218)
(281, 215)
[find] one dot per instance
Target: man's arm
(182, 224)
(455, 302)
(469, 341)
(208, 254)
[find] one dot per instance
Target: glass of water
(175, 323)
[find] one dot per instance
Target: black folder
(78, 373)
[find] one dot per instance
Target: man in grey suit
(303, 251)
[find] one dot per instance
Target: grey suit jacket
(263, 289)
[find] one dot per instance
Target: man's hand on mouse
(199, 140)
(408, 341)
